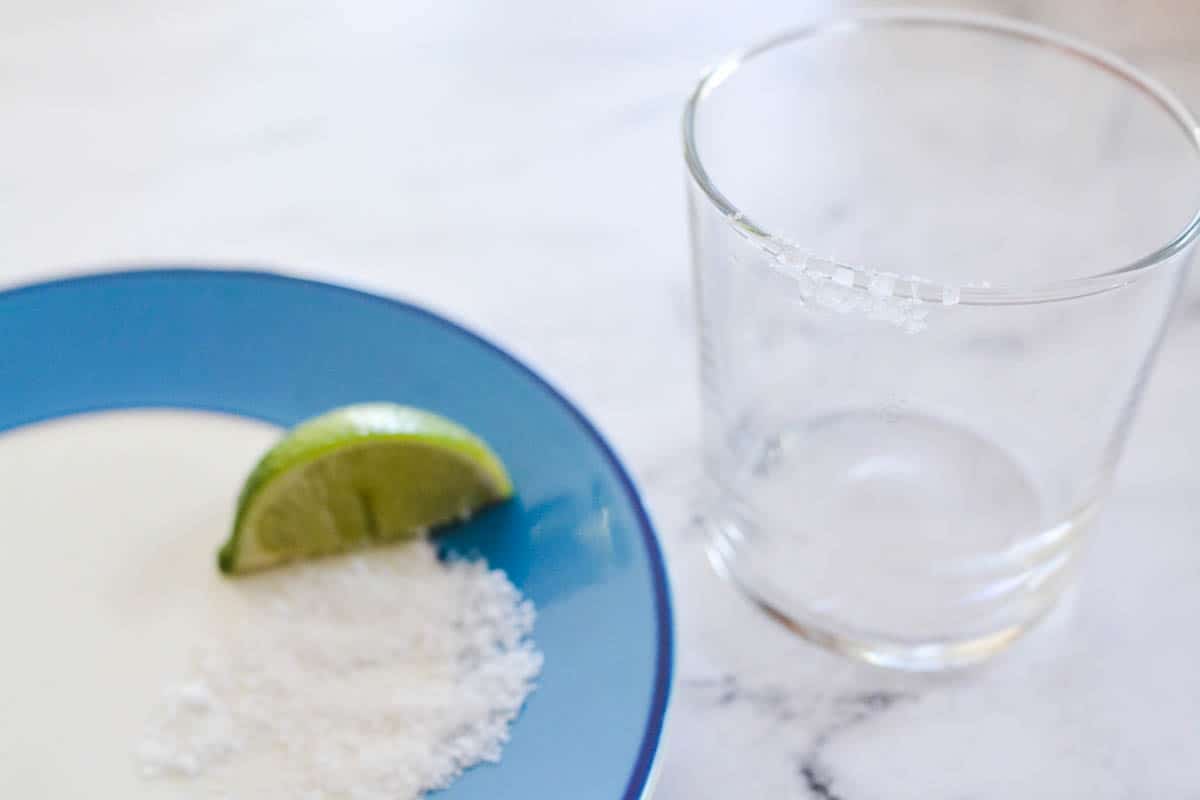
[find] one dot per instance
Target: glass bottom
(899, 654)
(901, 540)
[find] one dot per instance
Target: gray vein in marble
(855, 710)
(824, 719)
(771, 702)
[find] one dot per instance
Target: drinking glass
(934, 256)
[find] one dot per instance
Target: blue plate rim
(639, 779)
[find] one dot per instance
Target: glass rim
(1028, 33)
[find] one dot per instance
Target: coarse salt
(378, 676)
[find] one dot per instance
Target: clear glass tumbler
(934, 256)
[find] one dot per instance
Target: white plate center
(110, 525)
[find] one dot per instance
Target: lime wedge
(357, 476)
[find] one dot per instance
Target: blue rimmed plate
(577, 540)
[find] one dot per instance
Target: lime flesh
(357, 476)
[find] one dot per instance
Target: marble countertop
(516, 166)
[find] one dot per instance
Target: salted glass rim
(1024, 32)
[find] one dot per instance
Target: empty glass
(934, 257)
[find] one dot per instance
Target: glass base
(910, 656)
(905, 541)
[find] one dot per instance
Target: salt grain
(881, 285)
(843, 276)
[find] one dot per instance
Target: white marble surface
(516, 165)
